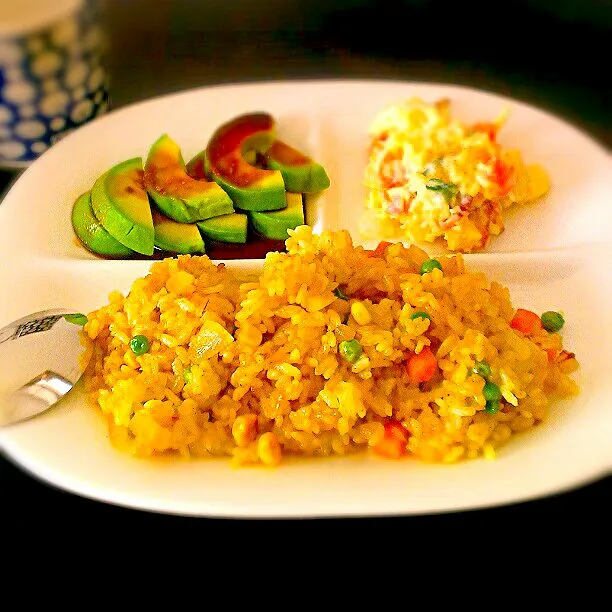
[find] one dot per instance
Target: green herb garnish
(339, 293)
(448, 190)
(77, 318)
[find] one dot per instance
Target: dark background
(552, 54)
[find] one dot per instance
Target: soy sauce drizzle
(256, 247)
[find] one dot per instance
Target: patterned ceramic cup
(52, 73)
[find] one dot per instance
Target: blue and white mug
(52, 73)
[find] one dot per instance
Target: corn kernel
(244, 429)
(488, 451)
(130, 359)
(269, 449)
(181, 283)
(360, 313)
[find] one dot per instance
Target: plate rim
(319, 81)
(235, 511)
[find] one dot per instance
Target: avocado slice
(301, 173)
(226, 162)
(196, 166)
(176, 237)
(274, 224)
(121, 205)
(91, 233)
(178, 195)
(226, 228)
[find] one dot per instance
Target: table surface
(174, 47)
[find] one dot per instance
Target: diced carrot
(503, 175)
(552, 354)
(393, 444)
(526, 321)
(487, 128)
(421, 367)
(391, 448)
(380, 249)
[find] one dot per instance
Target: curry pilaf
(330, 350)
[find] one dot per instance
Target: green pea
(420, 315)
(351, 350)
(139, 345)
(429, 265)
(552, 321)
(482, 368)
(340, 294)
(491, 392)
(492, 406)
(187, 375)
(77, 318)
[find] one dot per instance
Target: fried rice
(257, 369)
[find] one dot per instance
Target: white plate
(551, 256)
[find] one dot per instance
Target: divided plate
(553, 255)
